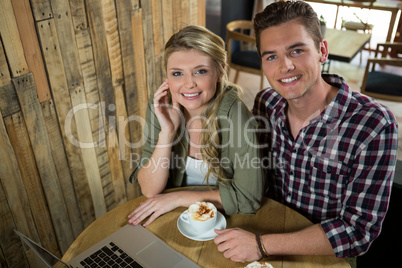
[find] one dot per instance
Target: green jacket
(243, 190)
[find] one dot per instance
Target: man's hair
(281, 12)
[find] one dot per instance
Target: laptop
(130, 246)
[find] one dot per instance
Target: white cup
(201, 216)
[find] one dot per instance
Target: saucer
(186, 230)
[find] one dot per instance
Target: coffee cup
(201, 216)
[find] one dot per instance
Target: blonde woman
(198, 132)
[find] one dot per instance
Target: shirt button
(329, 169)
(291, 173)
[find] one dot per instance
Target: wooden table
(344, 45)
(272, 217)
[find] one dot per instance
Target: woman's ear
(222, 74)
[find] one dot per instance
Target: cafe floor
(352, 72)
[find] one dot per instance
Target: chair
(242, 54)
(386, 83)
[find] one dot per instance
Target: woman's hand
(168, 115)
(153, 207)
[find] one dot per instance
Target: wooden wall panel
(19, 139)
(61, 165)
(8, 100)
(12, 200)
(38, 136)
(168, 27)
(41, 9)
(133, 79)
(201, 13)
(11, 39)
(116, 67)
(30, 43)
(149, 50)
(158, 43)
(87, 65)
(61, 98)
(75, 78)
(140, 76)
(5, 77)
(96, 19)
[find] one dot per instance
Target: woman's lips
(192, 95)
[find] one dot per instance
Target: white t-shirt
(196, 170)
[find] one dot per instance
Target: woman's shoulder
(231, 103)
(231, 100)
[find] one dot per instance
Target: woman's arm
(162, 203)
(243, 193)
(153, 176)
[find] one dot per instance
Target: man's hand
(237, 245)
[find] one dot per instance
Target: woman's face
(192, 78)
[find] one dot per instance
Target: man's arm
(240, 245)
(367, 193)
(309, 241)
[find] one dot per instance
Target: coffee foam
(257, 264)
(202, 211)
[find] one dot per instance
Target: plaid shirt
(340, 168)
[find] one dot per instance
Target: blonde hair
(198, 38)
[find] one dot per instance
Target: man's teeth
(191, 95)
(288, 80)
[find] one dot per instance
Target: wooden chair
(242, 53)
(386, 83)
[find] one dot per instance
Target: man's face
(290, 60)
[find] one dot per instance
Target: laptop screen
(46, 256)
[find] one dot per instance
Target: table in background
(272, 217)
(390, 6)
(344, 45)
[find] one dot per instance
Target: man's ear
(323, 51)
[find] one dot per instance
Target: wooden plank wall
(75, 77)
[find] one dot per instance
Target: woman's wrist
(166, 138)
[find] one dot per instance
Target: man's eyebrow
(267, 53)
(301, 44)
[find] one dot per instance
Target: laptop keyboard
(110, 256)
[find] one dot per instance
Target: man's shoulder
(368, 107)
(358, 106)
(266, 100)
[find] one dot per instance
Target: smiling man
(334, 149)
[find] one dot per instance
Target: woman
(198, 132)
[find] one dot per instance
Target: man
(334, 149)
